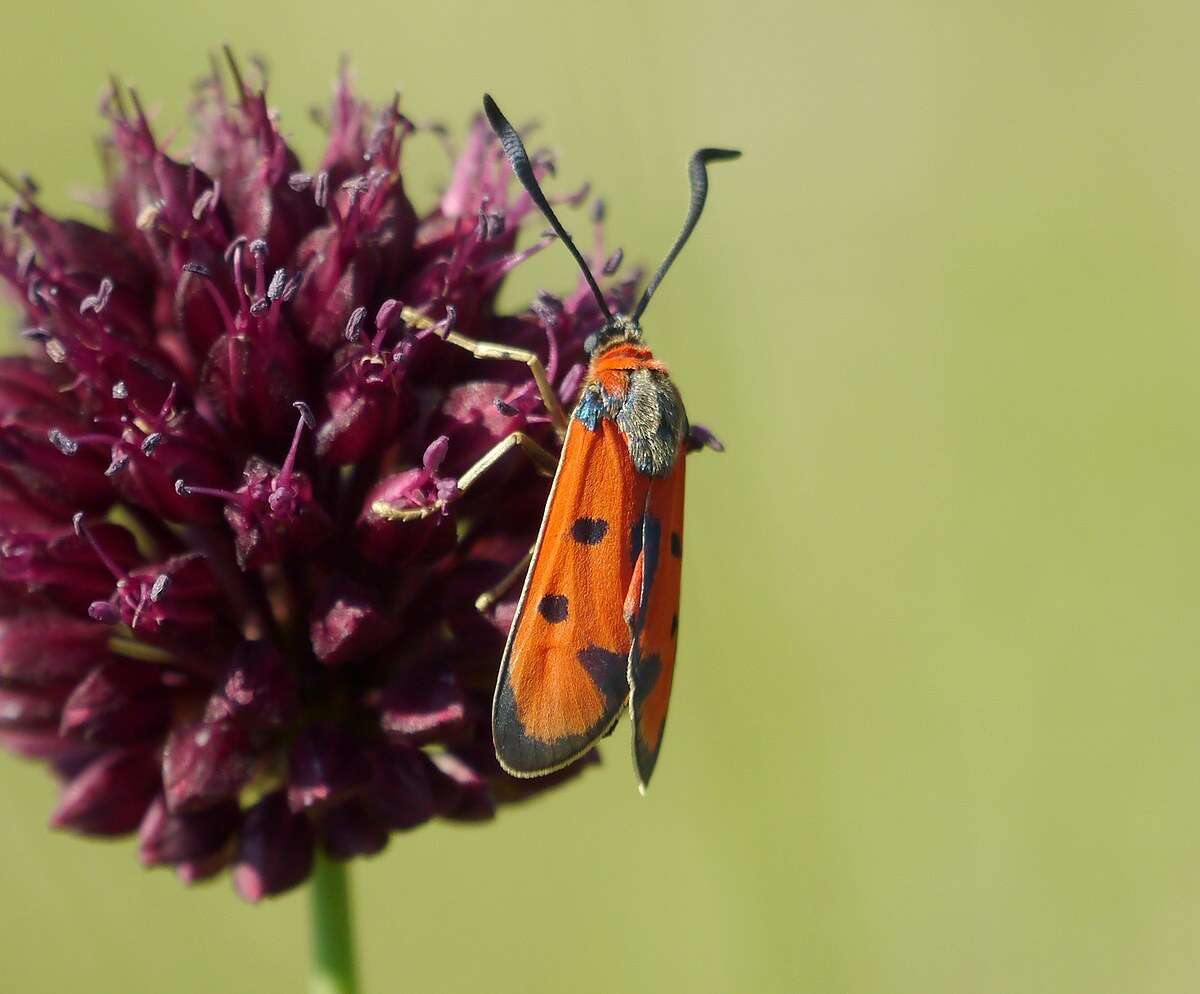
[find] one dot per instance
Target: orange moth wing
(652, 612)
(564, 676)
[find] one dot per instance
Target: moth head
(616, 331)
(617, 327)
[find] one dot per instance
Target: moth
(597, 622)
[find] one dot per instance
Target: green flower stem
(332, 930)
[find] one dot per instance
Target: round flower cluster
(206, 629)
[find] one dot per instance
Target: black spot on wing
(677, 545)
(674, 625)
(608, 671)
(554, 608)
(589, 531)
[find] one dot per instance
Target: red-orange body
(598, 618)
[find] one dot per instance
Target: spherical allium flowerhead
(204, 628)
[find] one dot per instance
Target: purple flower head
(209, 629)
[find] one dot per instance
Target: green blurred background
(935, 727)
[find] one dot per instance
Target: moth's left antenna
(698, 179)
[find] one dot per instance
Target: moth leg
(489, 597)
(492, 350)
(544, 461)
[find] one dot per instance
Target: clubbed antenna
(698, 176)
(518, 158)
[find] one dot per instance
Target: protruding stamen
(82, 530)
(307, 420)
(186, 490)
(196, 269)
(258, 249)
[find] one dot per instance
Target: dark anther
(299, 182)
(162, 584)
(505, 408)
(278, 282)
(306, 414)
(321, 191)
(182, 489)
(152, 442)
(599, 210)
(119, 462)
(120, 391)
(196, 268)
(258, 247)
(260, 307)
(63, 442)
(446, 325)
(355, 323)
(613, 262)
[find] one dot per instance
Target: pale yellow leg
(544, 461)
(491, 350)
(489, 597)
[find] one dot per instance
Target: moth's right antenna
(518, 158)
